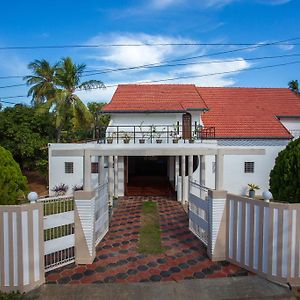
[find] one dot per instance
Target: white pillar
(110, 178)
(184, 186)
(219, 171)
(116, 181)
(87, 180)
(176, 172)
(202, 170)
(101, 175)
(190, 166)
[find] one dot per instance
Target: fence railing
(264, 238)
(58, 231)
(198, 211)
(146, 134)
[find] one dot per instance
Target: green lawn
(150, 241)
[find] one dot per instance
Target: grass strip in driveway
(150, 241)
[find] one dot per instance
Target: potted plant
(126, 138)
(60, 190)
(110, 138)
(143, 134)
(252, 188)
(157, 134)
(175, 134)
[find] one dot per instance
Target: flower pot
(191, 141)
(175, 141)
(158, 141)
(142, 141)
(126, 141)
(252, 194)
(109, 141)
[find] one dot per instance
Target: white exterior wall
(292, 125)
(235, 179)
(57, 173)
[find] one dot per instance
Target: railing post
(134, 134)
(168, 134)
(217, 225)
(117, 134)
(151, 130)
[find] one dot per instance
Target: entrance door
(186, 126)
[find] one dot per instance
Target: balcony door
(186, 126)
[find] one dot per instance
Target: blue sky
(28, 23)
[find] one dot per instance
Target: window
(94, 167)
(69, 167)
(249, 167)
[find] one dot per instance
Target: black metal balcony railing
(125, 134)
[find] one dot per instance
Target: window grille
(69, 167)
(249, 167)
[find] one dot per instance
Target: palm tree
(294, 86)
(42, 82)
(59, 94)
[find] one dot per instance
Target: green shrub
(13, 185)
(285, 176)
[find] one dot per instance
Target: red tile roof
(249, 112)
(157, 97)
(234, 112)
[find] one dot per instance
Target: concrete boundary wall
(21, 247)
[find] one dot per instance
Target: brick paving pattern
(117, 259)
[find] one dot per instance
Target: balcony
(154, 134)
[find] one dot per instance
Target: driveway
(118, 260)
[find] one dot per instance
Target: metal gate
(101, 213)
(58, 231)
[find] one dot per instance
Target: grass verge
(150, 241)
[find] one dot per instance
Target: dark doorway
(186, 126)
(147, 176)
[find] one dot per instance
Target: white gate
(101, 213)
(58, 231)
(198, 211)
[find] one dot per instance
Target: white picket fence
(58, 231)
(198, 211)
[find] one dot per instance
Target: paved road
(251, 287)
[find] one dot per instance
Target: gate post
(217, 222)
(21, 247)
(84, 212)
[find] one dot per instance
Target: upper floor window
(94, 167)
(69, 167)
(249, 167)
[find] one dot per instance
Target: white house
(222, 138)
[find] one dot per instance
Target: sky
(36, 23)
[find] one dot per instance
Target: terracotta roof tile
(249, 112)
(155, 97)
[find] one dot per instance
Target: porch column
(184, 185)
(219, 171)
(87, 182)
(116, 181)
(110, 178)
(202, 169)
(176, 172)
(190, 166)
(101, 175)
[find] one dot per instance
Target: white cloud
(161, 4)
(120, 57)
(286, 47)
(139, 55)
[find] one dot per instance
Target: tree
(43, 81)
(294, 86)
(285, 176)
(13, 185)
(99, 120)
(59, 96)
(25, 133)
